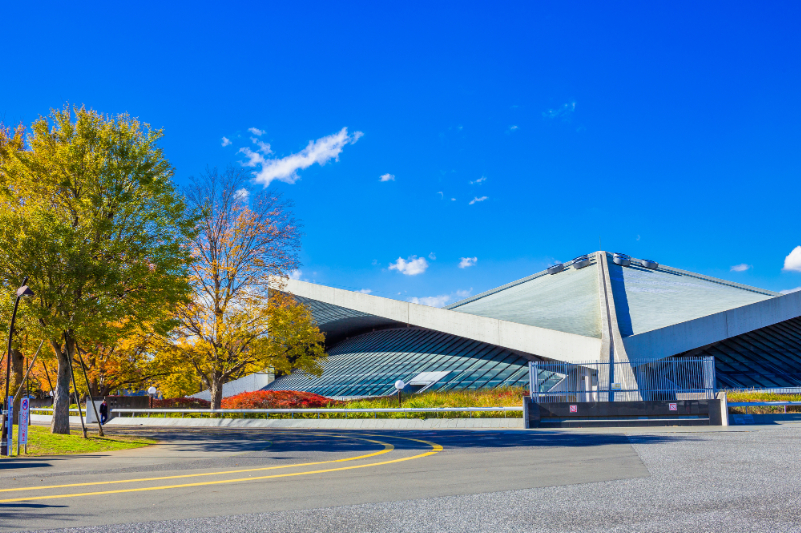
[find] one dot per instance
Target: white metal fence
(673, 378)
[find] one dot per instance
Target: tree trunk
(216, 392)
(17, 372)
(61, 398)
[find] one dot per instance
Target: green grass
(756, 396)
(42, 442)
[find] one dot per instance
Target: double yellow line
(435, 448)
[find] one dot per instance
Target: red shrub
(278, 399)
(181, 403)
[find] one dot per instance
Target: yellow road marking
(435, 448)
(387, 448)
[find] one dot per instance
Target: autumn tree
(245, 238)
(88, 211)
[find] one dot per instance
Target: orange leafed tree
(236, 322)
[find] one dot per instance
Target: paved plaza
(672, 479)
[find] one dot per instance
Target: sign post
(22, 432)
(10, 426)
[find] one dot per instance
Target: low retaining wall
(623, 414)
(331, 423)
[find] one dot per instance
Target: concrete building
(599, 307)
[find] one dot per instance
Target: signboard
(673, 407)
(616, 386)
(573, 409)
(22, 435)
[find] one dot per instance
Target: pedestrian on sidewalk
(103, 413)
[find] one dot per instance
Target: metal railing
(763, 404)
(673, 378)
(318, 412)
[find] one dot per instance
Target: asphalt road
(274, 480)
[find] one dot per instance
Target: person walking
(103, 413)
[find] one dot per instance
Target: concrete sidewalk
(336, 423)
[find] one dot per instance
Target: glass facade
(369, 364)
(769, 357)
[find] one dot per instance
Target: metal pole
(75, 387)
(89, 390)
(25, 379)
(4, 443)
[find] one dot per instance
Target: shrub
(279, 399)
(181, 403)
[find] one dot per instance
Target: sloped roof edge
(542, 342)
(684, 336)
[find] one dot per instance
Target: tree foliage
(232, 326)
(88, 211)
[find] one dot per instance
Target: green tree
(246, 241)
(89, 212)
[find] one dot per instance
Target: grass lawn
(42, 442)
(756, 396)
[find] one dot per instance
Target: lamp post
(399, 385)
(152, 393)
(5, 444)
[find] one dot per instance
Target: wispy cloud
(563, 111)
(467, 262)
(411, 267)
(387, 177)
(742, 267)
(513, 128)
(295, 274)
(480, 180)
(432, 256)
(442, 299)
(365, 291)
(477, 199)
(286, 168)
(256, 131)
(241, 194)
(793, 260)
(788, 291)
(226, 141)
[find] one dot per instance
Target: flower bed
(279, 399)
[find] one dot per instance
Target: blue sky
(511, 135)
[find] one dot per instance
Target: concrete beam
(679, 338)
(532, 340)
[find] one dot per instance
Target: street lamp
(21, 293)
(399, 385)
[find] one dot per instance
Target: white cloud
(482, 179)
(442, 299)
(256, 131)
(742, 267)
(387, 177)
(285, 169)
(788, 291)
(432, 256)
(226, 141)
(241, 194)
(453, 199)
(431, 301)
(411, 266)
(467, 262)
(793, 261)
(365, 291)
(477, 199)
(563, 111)
(295, 274)
(513, 128)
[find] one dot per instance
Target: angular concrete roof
(567, 302)
(600, 312)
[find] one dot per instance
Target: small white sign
(24, 410)
(616, 386)
(574, 408)
(673, 407)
